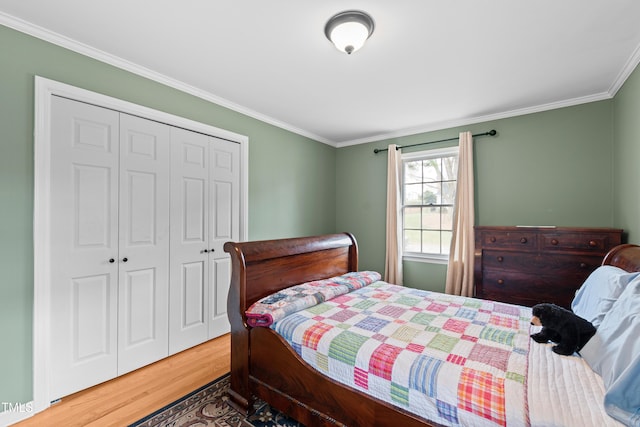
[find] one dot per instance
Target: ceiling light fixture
(349, 30)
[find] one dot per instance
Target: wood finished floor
(135, 395)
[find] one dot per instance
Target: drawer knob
(500, 282)
(523, 240)
(583, 265)
(492, 239)
(593, 243)
(554, 242)
(500, 259)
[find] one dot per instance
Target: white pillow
(598, 293)
(614, 353)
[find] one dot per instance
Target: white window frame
(423, 155)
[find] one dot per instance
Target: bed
(264, 365)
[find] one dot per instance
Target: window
(428, 195)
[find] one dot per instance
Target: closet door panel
(218, 320)
(194, 211)
(84, 239)
(225, 197)
(139, 289)
(192, 289)
(92, 195)
(189, 291)
(225, 226)
(139, 333)
(143, 319)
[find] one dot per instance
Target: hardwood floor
(137, 394)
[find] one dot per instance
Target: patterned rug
(208, 406)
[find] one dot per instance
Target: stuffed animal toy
(569, 331)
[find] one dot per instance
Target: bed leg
(241, 404)
(240, 395)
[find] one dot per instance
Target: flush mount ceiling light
(349, 30)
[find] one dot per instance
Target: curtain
(393, 257)
(460, 269)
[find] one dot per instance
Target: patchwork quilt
(295, 298)
(452, 360)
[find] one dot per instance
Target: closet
(139, 213)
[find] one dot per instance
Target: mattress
(449, 359)
(564, 391)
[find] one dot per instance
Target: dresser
(530, 265)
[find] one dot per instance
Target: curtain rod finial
(492, 132)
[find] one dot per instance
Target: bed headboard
(263, 267)
(626, 257)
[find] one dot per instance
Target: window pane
(412, 240)
(446, 242)
(432, 193)
(413, 172)
(447, 218)
(431, 170)
(431, 242)
(448, 193)
(412, 218)
(428, 193)
(449, 168)
(413, 194)
(431, 218)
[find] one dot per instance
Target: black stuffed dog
(569, 331)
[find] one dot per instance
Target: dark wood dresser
(530, 265)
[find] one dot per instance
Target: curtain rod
(492, 132)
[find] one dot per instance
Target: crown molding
(478, 119)
(91, 52)
(626, 71)
(73, 45)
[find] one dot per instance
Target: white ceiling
(429, 64)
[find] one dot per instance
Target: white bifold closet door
(109, 244)
(140, 213)
(205, 210)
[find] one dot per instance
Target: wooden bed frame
(263, 365)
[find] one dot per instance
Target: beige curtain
(393, 257)
(460, 269)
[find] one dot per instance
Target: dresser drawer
(558, 264)
(599, 243)
(523, 289)
(509, 240)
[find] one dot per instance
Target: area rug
(208, 406)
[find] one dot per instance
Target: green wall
(548, 168)
(626, 162)
(291, 178)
